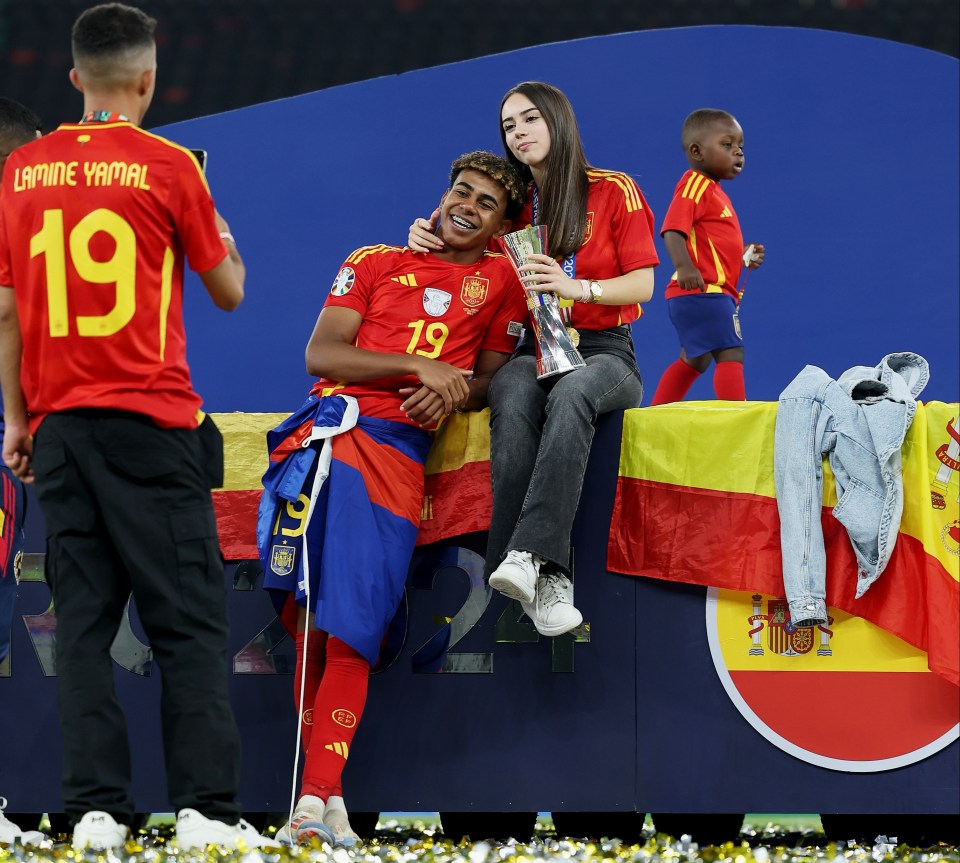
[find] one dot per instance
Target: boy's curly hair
(497, 169)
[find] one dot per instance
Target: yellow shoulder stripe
(174, 146)
(363, 251)
(695, 186)
(628, 186)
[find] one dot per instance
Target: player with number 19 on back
(95, 221)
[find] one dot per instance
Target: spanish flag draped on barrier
(456, 496)
(696, 503)
(244, 462)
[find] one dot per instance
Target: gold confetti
(395, 844)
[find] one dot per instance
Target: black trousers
(127, 508)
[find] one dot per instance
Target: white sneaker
(553, 613)
(335, 817)
(197, 831)
(307, 823)
(100, 832)
(516, 577)
(10, 832)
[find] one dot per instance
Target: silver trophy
(556, 352)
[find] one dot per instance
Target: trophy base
(559, 364)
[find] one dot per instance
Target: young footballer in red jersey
(602, 254)
(703, 239)
(403, 340)
(95, 221)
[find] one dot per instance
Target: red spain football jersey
(416, 303)
(702, 212)
(95, 220)
(619, 238)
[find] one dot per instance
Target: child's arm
(688, 276)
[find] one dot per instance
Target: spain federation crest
(473, 291)
(436, 302)
(282, 559)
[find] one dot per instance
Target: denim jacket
(859, 423)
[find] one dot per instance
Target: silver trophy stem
(556, 354)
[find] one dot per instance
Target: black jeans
(127, 508)
(540, 437)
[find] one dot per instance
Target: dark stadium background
(216, 55)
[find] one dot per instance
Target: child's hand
(689, 278)
(753, 255)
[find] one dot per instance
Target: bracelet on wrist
(585, 287)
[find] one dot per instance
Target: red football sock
(316, 657)
(675, 383)
(728, 382)
(336, 713)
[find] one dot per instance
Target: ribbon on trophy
(556, 351)
(569, 267)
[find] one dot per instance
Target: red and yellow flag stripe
(457, 498)
(696, 503)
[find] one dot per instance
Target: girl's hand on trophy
(543, 274)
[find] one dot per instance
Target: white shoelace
(553, 590)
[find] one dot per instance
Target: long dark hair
(563, 191)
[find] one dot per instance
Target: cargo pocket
(199, 563)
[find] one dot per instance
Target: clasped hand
(443, 390)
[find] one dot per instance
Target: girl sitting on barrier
(601, 266)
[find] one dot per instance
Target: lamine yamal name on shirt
(76, 173)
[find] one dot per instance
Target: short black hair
(699, 120)
(18, 124)
(500, 171)
(109, 30)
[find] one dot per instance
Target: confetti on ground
(394, 843)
